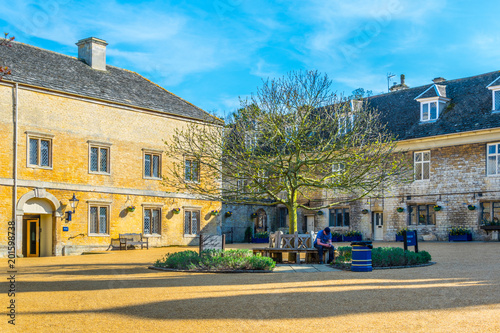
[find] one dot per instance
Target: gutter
(14, 168)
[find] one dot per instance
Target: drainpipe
(14, 172)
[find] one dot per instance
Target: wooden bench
(127, 240)
(280, 243)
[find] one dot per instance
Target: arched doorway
(36, 218)
(261, 221)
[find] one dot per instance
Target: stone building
(450, 130)
(79, 128)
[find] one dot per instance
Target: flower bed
(215, 260)
(459, 234)
(261, 237)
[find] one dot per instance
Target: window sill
(152, 178)
(428, 121)
(190, 235)
(152, 235)
(100, 173)
(421, 180)
(39, 167)
(98, 235)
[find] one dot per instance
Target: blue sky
(213, 52)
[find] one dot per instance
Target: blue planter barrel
(361, 256)
(460, 238)
(400, 238)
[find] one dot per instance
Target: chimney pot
(402, 79)
(439, 79)
(92, 51)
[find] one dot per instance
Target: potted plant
(261, 237)
(437, 208)
(352, 236)
(457, 234)
(176, 210)
(215, 212)
(400, 234)
(131, 208)
(490, 225)
(336, 237)
(229, 213)
(320, 212)
(253, 215)
(364, 211)
(471, 207)
(400, 209)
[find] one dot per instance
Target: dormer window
(495, 90)
(432, 102)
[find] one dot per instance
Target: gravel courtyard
(116, 292)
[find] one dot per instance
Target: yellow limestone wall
(73, 123)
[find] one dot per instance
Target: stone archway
(42, 209)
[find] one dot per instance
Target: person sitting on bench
(324, 240)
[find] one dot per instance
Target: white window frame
(198, 174)
(338, 167)
(198, 227)
(152, 206)
(494, 87)
(100, 145)
(99, 204)
(152, 152)
(422, 162)
(497, 158)
(346, 123)
(40, 137)
(344, 211)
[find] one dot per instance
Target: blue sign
(411, 240)
(65, 229)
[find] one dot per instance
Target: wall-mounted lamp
(74, 203)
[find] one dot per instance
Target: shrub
(336, 234)
(261, 235)
(215, 260)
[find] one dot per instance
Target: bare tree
(290, 141)
(5, 70)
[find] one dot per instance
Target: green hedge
(215, 260)
(385, 257)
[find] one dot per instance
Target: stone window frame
(40, 137)
(332, 222)
(152, 206)
(152, 152)
(422, 162)
(100, 145)
(495, 92)
(496, 154)
(191, 209)
(99, 204)
(429, 211)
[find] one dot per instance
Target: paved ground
(303, 268)
(116, 292)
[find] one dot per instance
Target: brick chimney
(402, 79)
(439, 79)
(92, 51)
(400, 86)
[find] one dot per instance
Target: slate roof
(47, 69)
(469, 108)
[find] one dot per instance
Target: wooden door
(378, 225)
(33, 230)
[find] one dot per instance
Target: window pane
(94, 159)
(187, 170)
(156, 166)
(103, 220)
(156, 221)
(422, 214)
(332, 218)
(433, 110)
(187, 222)
(104, 160)
(195, 171)
(418, 157)
(492, 165)
(413, 214)
(44, 152)
(486, 211)
(432, 215)
(492, 149)
(426, 156)
(93, 220)
(496, 210)
(34, 151)
(147, 221)
(425, 112)
(425, 172)
(497, 100)
(346, 217)
(147, 165)
(418, 171)
(195, 218)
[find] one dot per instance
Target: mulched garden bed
(210, 271)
